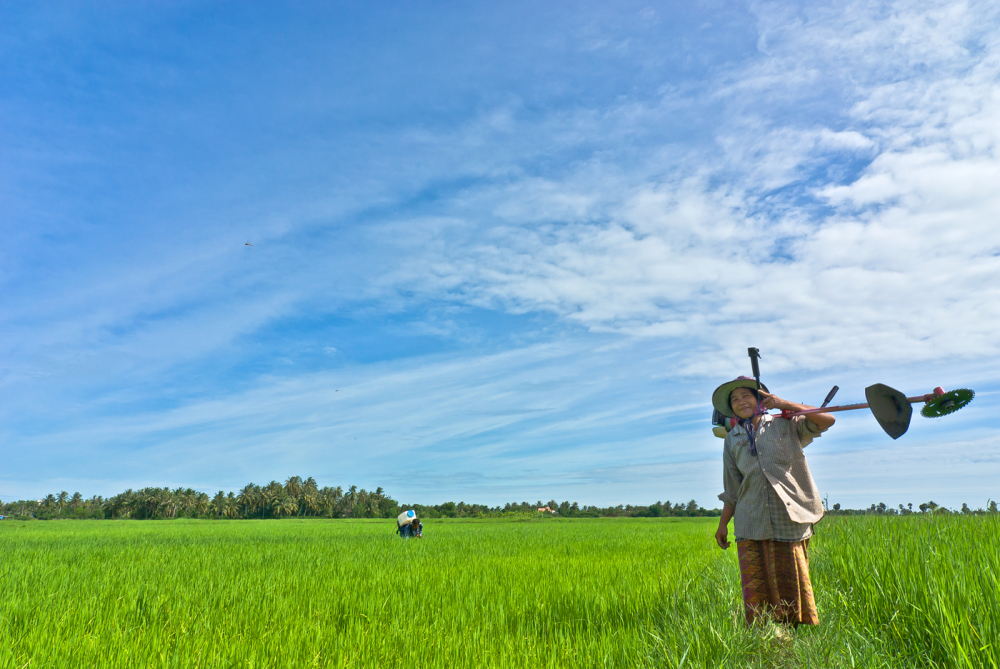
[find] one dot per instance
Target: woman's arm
(722, 534)
(731, 480)
(820, 420)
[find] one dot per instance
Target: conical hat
(720, 398)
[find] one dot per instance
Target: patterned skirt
(775, 579)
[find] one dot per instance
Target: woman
(769, 490)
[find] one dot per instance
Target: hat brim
(720, 398)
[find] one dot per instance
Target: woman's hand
(769, 401)
(774, 402)
(722, 536)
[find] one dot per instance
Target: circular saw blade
(950, 402)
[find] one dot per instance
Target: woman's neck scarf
(747, 424)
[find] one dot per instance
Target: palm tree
(154, 499)
(219, 502)
(49, 500)
(326, 502)
(359, 503)
(349, 500)
(229, 508)
(109, 506)
(201, 503)
(61, 500)
(312, 502)
(122, 504)
(285, 505)
(76, 500)
(293, 486)
(158, 502)
(269, 495)
(190, 500)
(337, 500)
(176, 500)
(248, 499)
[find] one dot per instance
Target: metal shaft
(851, 407)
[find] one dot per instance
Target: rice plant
(892, 592)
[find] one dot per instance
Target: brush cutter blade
(891, 408)
(951, 401)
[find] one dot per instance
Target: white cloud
(904, 266)
(832, 200)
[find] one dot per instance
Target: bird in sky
(248, 244)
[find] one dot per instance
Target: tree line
(566, 509)
(301, 498)
(297, 497)
(930, 507)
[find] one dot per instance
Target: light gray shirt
(772, 493)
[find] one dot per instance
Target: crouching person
(408, 525)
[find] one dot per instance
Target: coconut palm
(248, 499)
(120, 503)
(176, 500)
(219, 503)
(337, 497)
(201, 503)
(286, 505)
(155, 500)
(230, 509)
(190, 500)
(293, 486)
(270, 494)
(311, 502)
(326, 503)
(349, 501)
(76, 500)
(358, 503)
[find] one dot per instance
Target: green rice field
(915, 591)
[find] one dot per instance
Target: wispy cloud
(769, 237)
(531, 259)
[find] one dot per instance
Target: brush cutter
(890, 407)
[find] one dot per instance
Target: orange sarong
(775, 579)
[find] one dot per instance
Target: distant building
(545, 509)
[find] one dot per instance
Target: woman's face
(743, 402)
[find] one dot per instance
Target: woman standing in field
(769, 490)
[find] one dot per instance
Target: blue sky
(501, 251)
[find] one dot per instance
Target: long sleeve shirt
(772, 493)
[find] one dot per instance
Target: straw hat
(720, 398)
